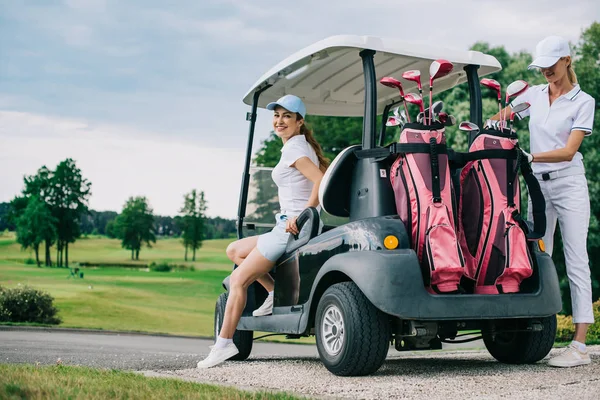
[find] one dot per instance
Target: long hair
(571, 73)
(308, 134)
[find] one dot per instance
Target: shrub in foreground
(25, 304)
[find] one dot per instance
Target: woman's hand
(291, 227)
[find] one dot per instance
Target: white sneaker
(265, 309)
(217, 356)
(570, 357)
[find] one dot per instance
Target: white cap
(549, 51)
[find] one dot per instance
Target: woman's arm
(313, 174)
(564, 154)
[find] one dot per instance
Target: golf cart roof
(328, 75)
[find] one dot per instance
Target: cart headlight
(390, 242)
(542, 245)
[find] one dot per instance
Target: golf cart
(357, 284)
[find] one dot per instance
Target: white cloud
(119, 163)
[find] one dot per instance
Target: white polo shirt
(551, 125)
(294, 189)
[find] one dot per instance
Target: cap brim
(543, 62)
(271, 106)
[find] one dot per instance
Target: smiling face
(286, 123)
(558, 71)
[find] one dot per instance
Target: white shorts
(272, 244)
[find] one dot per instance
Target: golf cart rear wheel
(521, 347)
(353, 337)
(241, 339)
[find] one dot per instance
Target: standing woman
(297, 176)
(561, 115)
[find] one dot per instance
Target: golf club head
(492, 84)
(396, 111)
(447, 120)
(393, 121)
(413, 75)
(402, 117)
(517, 109)
(516, 88)
(468, 126)
(438, 69)
(414, 98)
(392, 83)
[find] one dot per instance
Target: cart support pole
(474, 98)
(370, 99)
(246, 177)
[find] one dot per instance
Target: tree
(37, 185)
(135, 225)
(35, 225)
(193, 221)
(69, 201)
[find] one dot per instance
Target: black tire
(241, 339)
(365, 337)
(520, 347)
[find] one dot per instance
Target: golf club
(494, 85)
(447, 120)
(468, 126)
(438, 106)
(514, 89)
(437, 69)
(395, 83)
(414, 98)
(517, 109)
(415, 76)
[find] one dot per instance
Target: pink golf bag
(492, 234)
(420, 178)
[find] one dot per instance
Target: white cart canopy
(328, 75)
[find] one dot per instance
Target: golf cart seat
(334, 191)
(308, 224)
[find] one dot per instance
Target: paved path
(120, 351)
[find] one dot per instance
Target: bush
(161, 267)
(25, 304)
(565, 328)
(29, 261)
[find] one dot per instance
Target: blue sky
(146, 95)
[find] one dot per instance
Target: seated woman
(297, 176)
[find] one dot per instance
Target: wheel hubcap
(332, 330)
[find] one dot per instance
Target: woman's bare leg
(253, 267)
(581, 332)
(239, 250)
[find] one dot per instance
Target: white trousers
(568, 201)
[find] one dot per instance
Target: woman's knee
(232, 251)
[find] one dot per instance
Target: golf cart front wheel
(353, 337)
(241, 339)
(510, 341)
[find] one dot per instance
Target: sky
(146, 95)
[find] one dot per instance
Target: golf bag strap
(459, 159)
(538, 204)
(400, 148)
(435, 171)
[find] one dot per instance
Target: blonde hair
(571, 73)
(308, 134)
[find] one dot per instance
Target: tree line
(52, 211)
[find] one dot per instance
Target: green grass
(102, 250)
(61, 382)
(127, 299)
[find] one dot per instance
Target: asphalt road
(120, 351)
